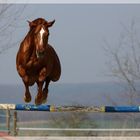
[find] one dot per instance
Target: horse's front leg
(23, 74)
(38, 99)
(41, 78)
(27, 97)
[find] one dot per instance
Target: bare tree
(124, 61)
(124, 64)
(73, 120)
(10, 14)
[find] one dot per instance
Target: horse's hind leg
(45, 90)
(27, 97)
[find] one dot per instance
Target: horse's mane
(39, 21)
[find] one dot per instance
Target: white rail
(79, 129)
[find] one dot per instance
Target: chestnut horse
(37, 61)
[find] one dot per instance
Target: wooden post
(8, 120)
(15, 123)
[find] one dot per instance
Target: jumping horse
(37, 61)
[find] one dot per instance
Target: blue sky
(77, 36)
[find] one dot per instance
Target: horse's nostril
(41, 50)
(41, 53)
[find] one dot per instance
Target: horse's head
(40, 28)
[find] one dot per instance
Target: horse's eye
(47, 33)
(35, 33)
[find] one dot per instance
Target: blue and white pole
(52, 108)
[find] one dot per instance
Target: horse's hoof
(44, 101)
(44, 97)
(27, 99)
(38, 101)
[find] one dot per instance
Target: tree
(73, 120)
(124, 64)
(124, 61)
(10, 15)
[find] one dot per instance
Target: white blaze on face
(42, 31)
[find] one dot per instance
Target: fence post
(15, 123)
(8, 120)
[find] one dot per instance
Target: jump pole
(52, 108)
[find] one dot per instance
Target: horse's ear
(31, 24)
(50, 23)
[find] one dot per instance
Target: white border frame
(71, 1)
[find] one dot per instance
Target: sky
(78, 37)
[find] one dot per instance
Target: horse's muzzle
(40, 54)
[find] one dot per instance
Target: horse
(37, 61)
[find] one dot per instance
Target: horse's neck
(28, 49)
